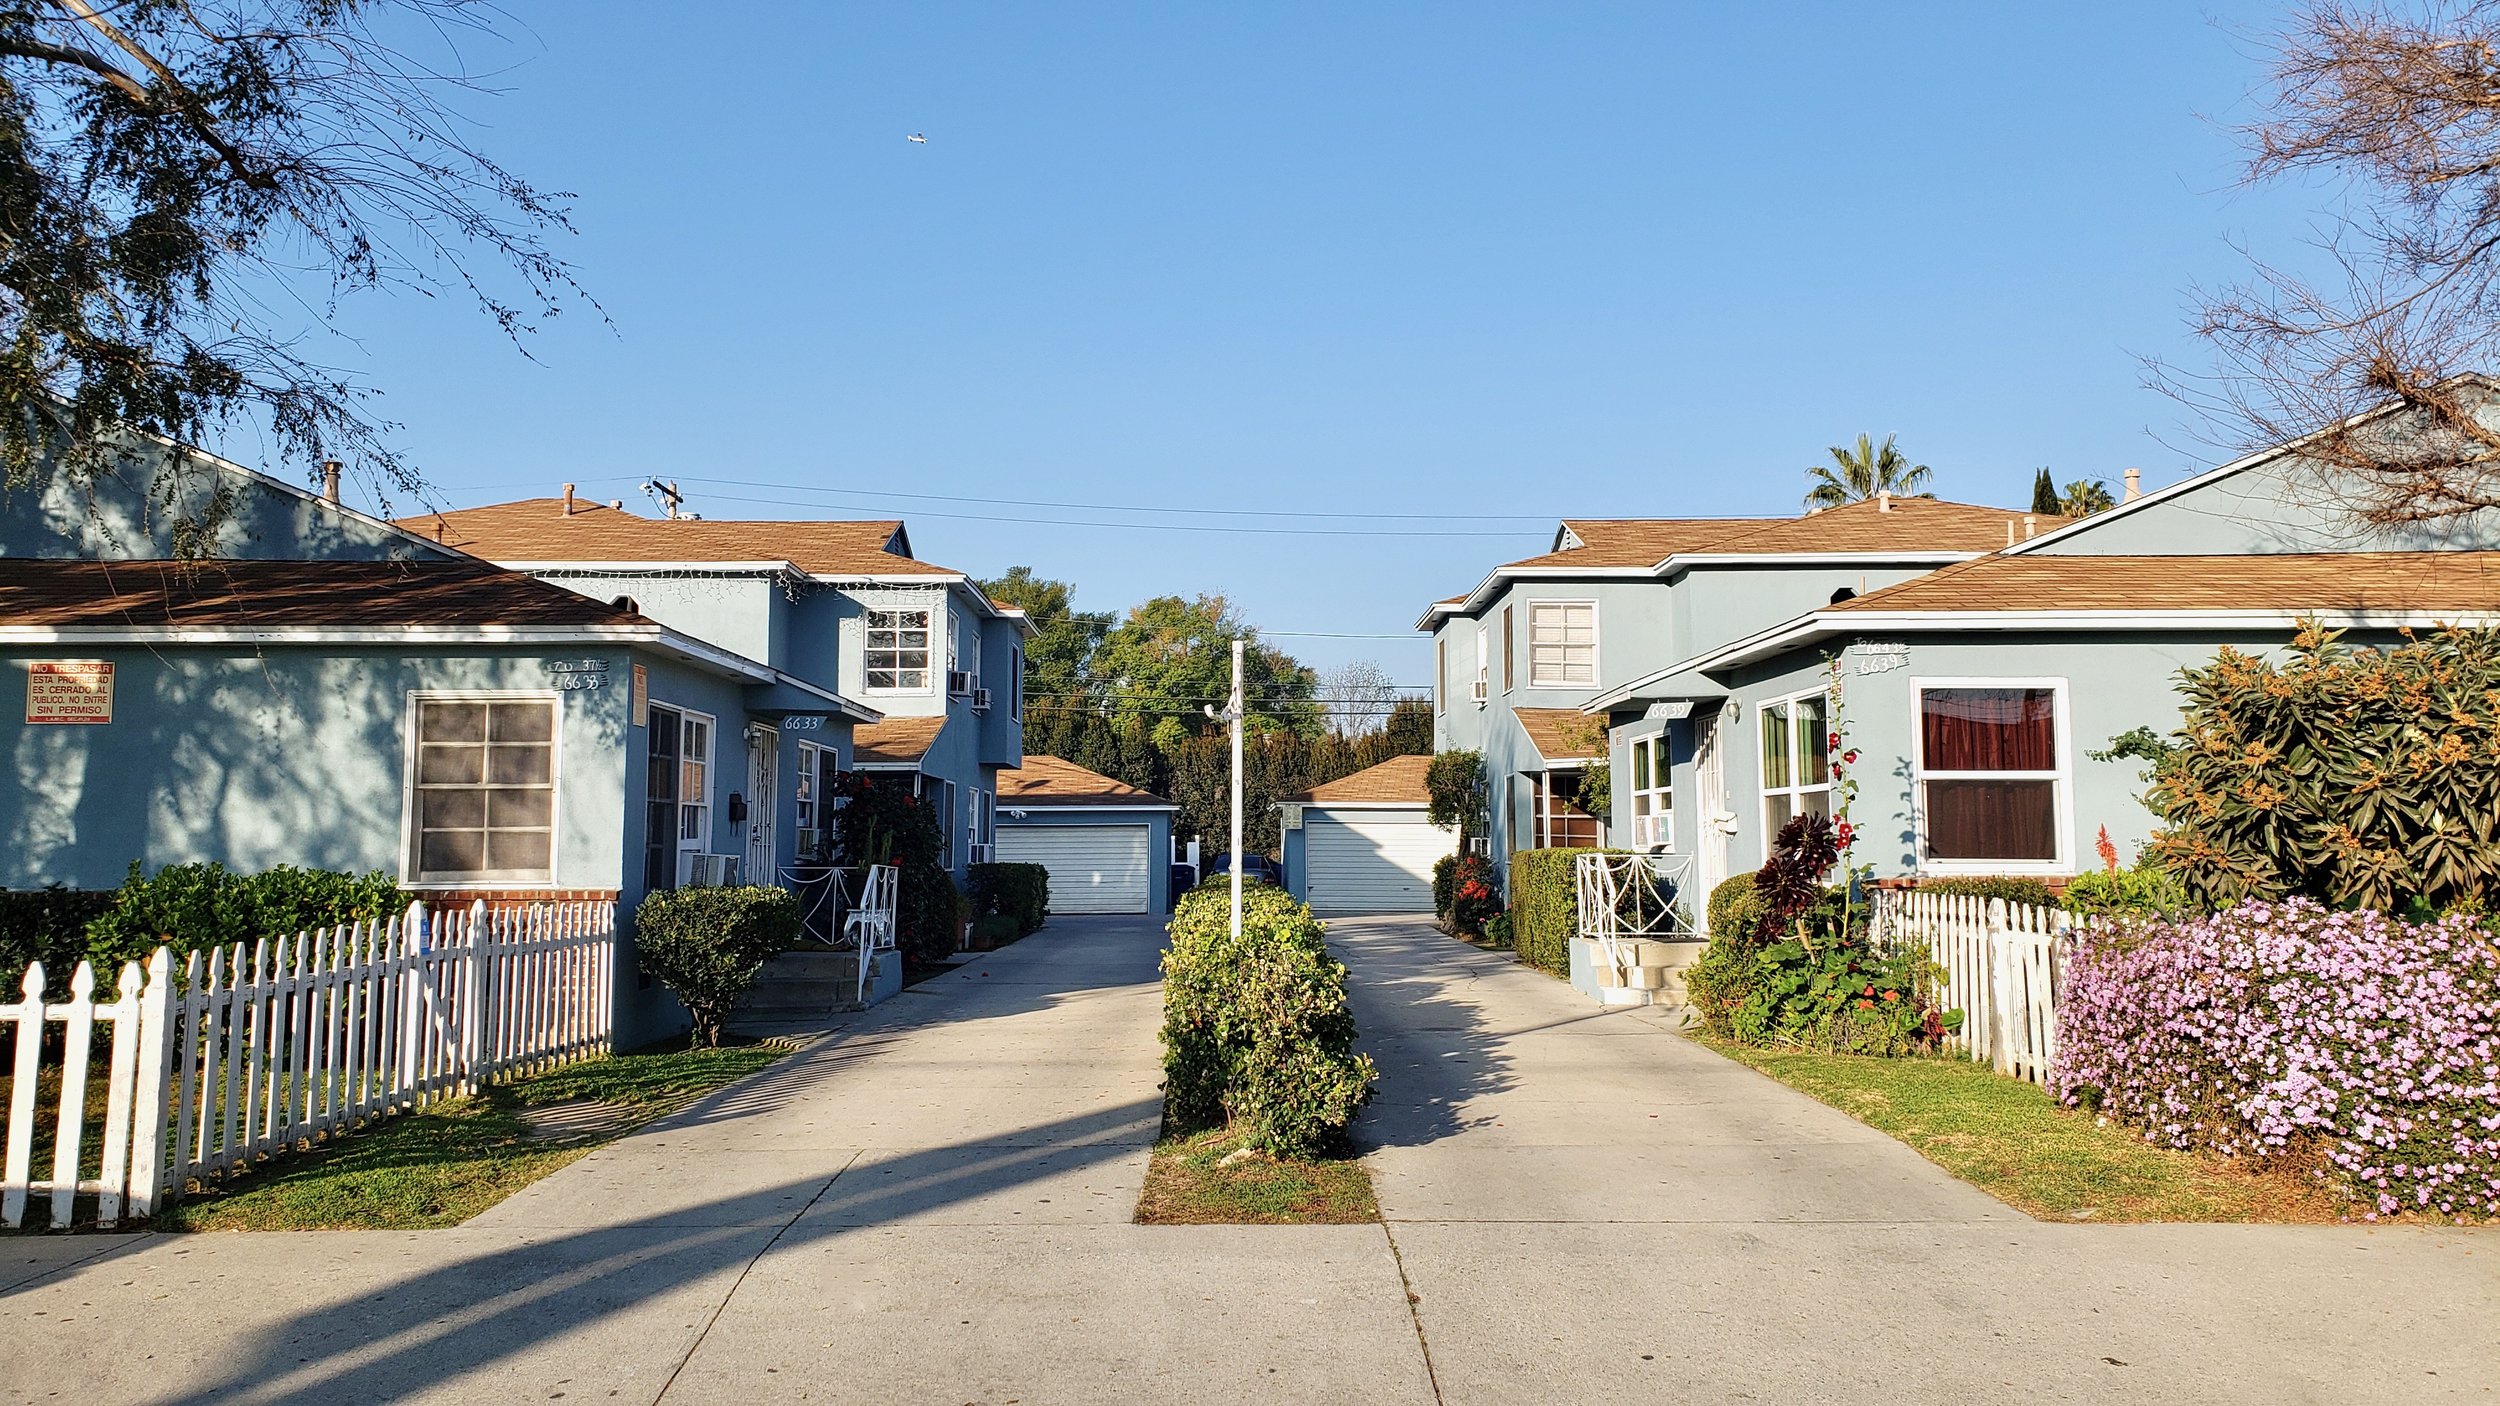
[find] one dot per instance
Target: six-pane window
(1796, 762)
(898, 649)
(676, 792)
(485, 790)
(1988, 773)
(1653, 794)
(1562, 644)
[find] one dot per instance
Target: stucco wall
(130, 512)
(2279, 506)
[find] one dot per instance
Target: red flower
(1866, 1005)
(1892, 995)
(1834, 743)
(1850, 756)
(1869, 991)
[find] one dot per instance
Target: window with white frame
(963, 650)
(483, 788)
(1796, 761)
(1483, 676)
(1015, 682)
(1440, 676)
(898, 651)
(1653, 794)
(677, 792)
(1990, 773)
(982, 824)
(1562, 644)
(816, 767)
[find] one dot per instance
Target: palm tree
(1871, 469)
(2084, 497)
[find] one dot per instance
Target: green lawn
(1185, 1185)
(447, 1163)
(2011, 1140)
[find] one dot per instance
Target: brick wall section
(462, 898)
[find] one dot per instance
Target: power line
(1148, 526)
(1102, 507)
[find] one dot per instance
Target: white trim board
(2063, 781)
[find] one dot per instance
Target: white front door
(763, 780)
(1710, 802)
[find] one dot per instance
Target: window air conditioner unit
(958, 683)
(1649, 832)
(1478, 691)
(980, 700)
(980, 853)
(1481, 846)
(707, 871)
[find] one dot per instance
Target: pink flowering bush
(2289, 1029)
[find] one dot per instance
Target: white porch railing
(250, 1052)
(2005, 968)
(1625, 897)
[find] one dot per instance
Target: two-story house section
(1518, 658)
(844, 605)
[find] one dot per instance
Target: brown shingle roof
(1558, 734)
(1913, 525)
(1643, 541)
(895, 741)
(1051, 781)
(225, 594)
(538, 529)
(2409, 581)
(1397, 780)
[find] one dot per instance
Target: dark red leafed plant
(1790, 883)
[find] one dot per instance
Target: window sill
(1990, 868)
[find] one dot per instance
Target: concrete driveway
(932, 1205)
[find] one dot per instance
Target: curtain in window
(1992, 820)
(1988, 729)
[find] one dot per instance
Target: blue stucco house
(841, 603)
(328, 689)
(1975, 695)
(1518, 659)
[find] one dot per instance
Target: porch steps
(1652, 973)
(813, 983)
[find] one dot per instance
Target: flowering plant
(2292, 1030)
(1475, 896)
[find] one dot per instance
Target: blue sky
(1399, 260)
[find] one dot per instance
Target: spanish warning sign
(69, 691)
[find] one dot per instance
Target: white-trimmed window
(1562, 644)
(816, 768)
(1653, 794)
(1015, 682)
(898, 652)
(963, 650)
(982, 823)
(1483, 680)
(1993, 774)
(1796, 761)
(482, 787)
(1441, 676)
(677, 792)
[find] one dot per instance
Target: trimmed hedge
(192, 906)
(1020, 893)
(706, 945)
(1257, 1031)
(1544, 906)
(1735, 910)
(47, 925)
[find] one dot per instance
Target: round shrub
(1734, 910)
(1257, 1031)
(2290, 1030)
(706, 945)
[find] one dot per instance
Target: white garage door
(1093, 868)
(1371, 865)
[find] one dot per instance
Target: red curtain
(1988, 729)
(1992, 820)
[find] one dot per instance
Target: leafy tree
(2084, 497)
(175, 175)
(1059, 656)
(1457, 793)
(1172, 657)
(1408, 729)
(2044, 497)
(1857, 475)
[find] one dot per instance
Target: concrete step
(819, 982)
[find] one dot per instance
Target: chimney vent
(2031, 525)
(330, 480)
(617, 503)
(2009, 532)
(568, 500)
(2135, 484)
(1883, 501)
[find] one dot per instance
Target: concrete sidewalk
(932, 1205)
(1586, 1203)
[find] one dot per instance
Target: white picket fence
(2005, 968)
(249, 1052)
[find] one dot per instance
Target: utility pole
(1235, 709)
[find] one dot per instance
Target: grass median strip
(450, 1161)
(2013, 1141)
(1210, 1179)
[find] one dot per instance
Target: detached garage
(1360, 844)
(1107, 844)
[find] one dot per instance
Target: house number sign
(1880, 656)
(804, 722)
(571, 674)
